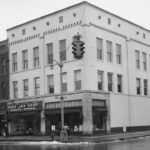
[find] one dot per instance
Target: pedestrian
(6, 130)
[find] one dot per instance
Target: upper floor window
(137, 57)
(144, 61)
(100, 80)
(25, 59)
(99, 44)
(49, 53)
(64, 82)
(3, 65)
(37, 86)
(25, 87)
(23, 31)
(118, 54)
(60, 19)
(138, 86)
(110, 81)
(109, 21)
(144, 35)
(77, 74)
(15, 89)
(3, 90)
(36, 56)
(62, 48)
(109, 51)
(145, 83)
(14, 61)
(119, 83)
(50, 79)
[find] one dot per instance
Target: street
(132, 144)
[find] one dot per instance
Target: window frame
(25, 59)
(109, 51)
(77, 83)
(37, 86)
(99, 47)
(50, 86)
(36, 59)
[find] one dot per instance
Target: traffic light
(78, 47)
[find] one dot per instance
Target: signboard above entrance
(28, 106)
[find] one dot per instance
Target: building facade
(105, 91)
(4, 82)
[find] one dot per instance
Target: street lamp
(63, 133)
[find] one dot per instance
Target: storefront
(3, 116)
(72, 116)
(25, 118)
(99, 111)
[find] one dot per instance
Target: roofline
(118, 16)
(53, 13)
(75, 5)
(4, 41)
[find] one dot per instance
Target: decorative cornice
(107, 30)
(54, 30)
(140, 42)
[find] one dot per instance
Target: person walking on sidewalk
(6, 130)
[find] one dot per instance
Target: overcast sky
(14, 12)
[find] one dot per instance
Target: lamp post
(63, 133)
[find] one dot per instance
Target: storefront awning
(67, 110)
(25, 113)
(100, 109)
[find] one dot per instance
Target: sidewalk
(76, 139)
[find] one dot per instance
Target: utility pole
(63, 133)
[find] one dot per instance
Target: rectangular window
(109, 51)
(137, 57)
(25, 59)
(77, 79)
(3, 68)
(25, 87)
(99, 44)
(118, 54)
(109, 21)
(37, 86)
(110, 81)
(64, 82)
(145, 86)
(50, 79)
(100, 80)
(62, 48)
(119, 83)
(144, 61)
(138, 86)
(49, 53)
(15, 89)
(14, 61)
(36, 56)
(60, 19)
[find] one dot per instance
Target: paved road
(142, 143)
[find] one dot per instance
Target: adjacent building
(105, 91)
(4, 82)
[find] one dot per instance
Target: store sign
(30, 106)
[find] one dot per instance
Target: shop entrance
(72, 120)
(99, 120)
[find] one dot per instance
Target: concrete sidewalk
(76, 139)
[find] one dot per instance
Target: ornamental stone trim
(54, 30)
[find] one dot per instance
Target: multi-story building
(4, 82)
(105, 91)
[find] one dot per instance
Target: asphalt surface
(74, 139)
